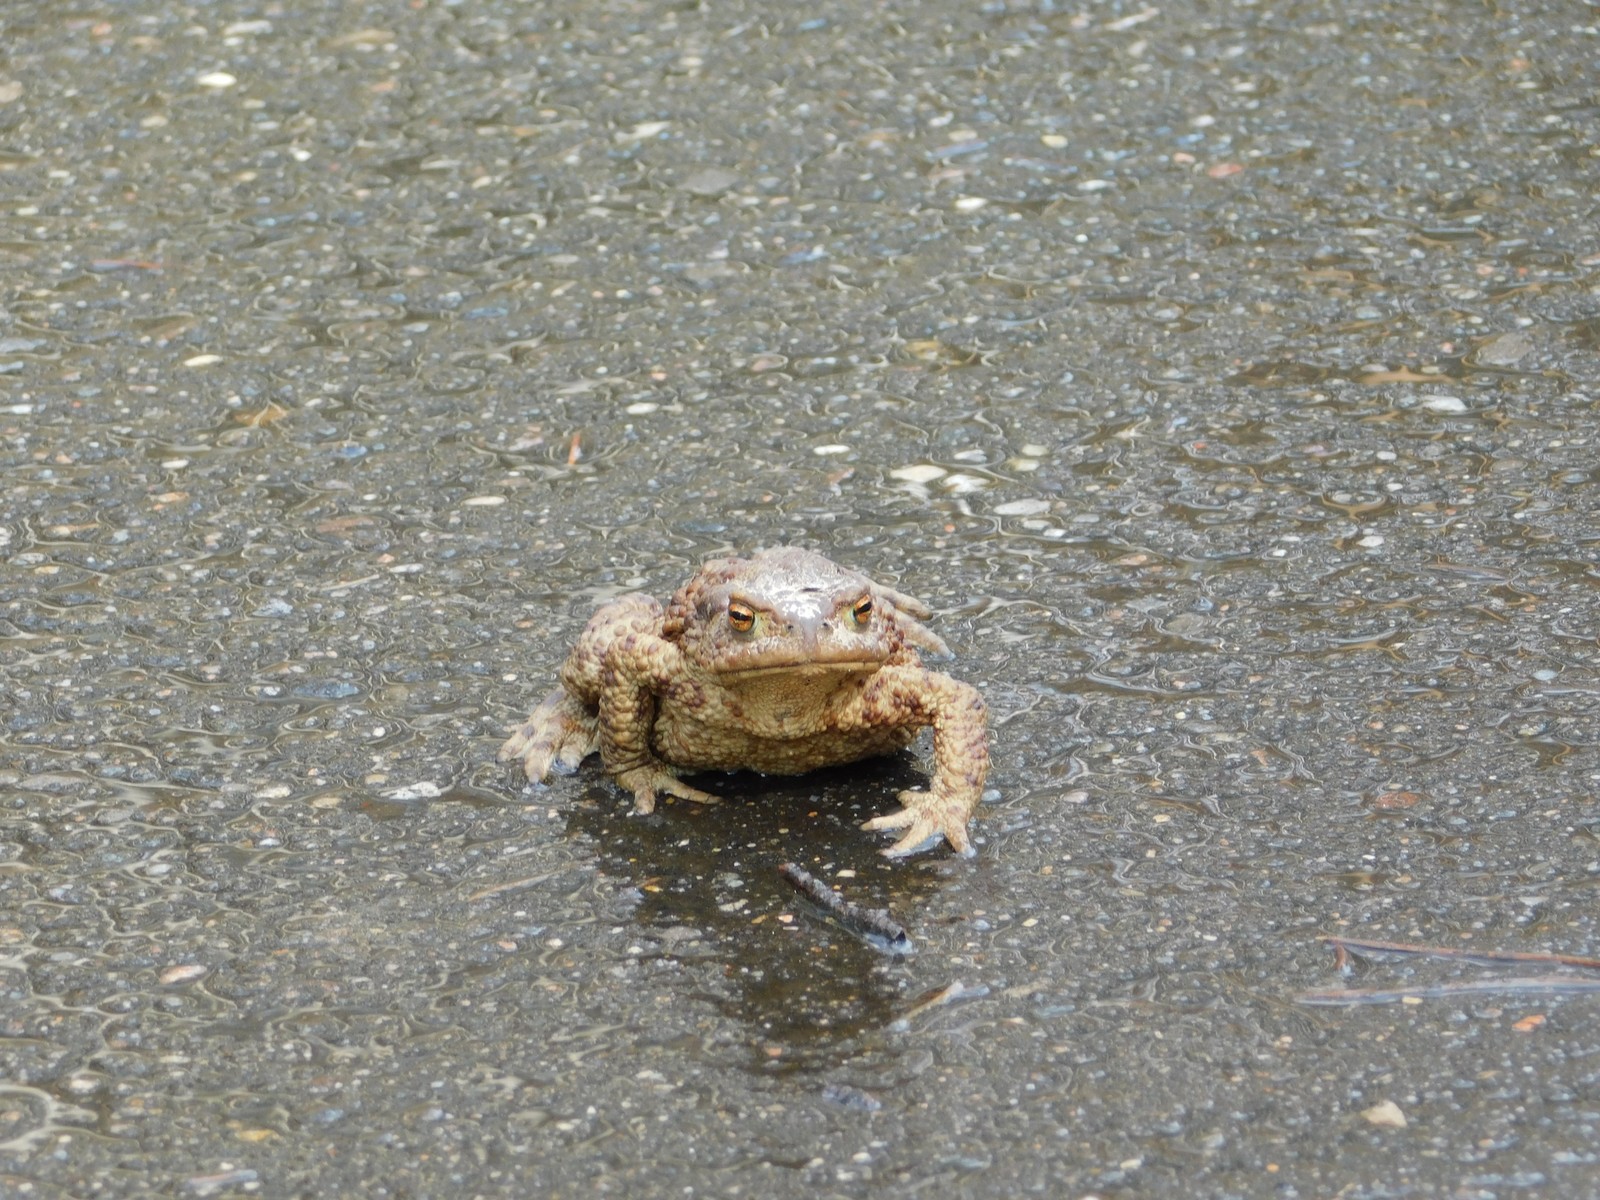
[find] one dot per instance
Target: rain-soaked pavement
(1225, 374)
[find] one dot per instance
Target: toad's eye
(741, 616)
(862, 611)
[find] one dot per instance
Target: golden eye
(862, 611)
(741, 616)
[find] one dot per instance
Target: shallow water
(1225, 377)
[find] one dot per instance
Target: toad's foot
(559, 734)
(927, 817)
(644, 782)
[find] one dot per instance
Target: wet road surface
(1224, 375)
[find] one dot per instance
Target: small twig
(1487, 958)
(512, 885)
(949, 994)
(1525, 984)
(875, 926)
(952, 993)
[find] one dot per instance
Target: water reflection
(708, 892)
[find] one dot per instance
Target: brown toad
(781, 662)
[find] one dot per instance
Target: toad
(782, 662)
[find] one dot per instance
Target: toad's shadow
(710, 891)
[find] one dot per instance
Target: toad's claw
(926, 818)
(645, 782)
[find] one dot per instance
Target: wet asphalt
(1223, 375)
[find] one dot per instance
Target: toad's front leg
(564, 729)
(629, 688)
(959, 718)
(558, 735)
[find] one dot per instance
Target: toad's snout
(809, 629)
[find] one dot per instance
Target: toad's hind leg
(657, 779)
(558, 735)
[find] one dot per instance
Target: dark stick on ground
(873, 925)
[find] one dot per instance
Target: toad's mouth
(839, 663)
